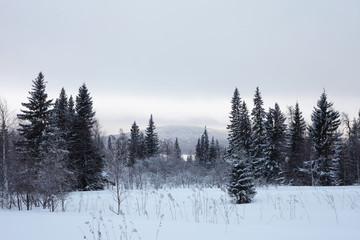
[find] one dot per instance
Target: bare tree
(7, 120)
(116, 157)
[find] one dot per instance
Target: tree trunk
(118, 194)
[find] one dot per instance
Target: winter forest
(55, 148)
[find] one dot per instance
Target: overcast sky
(182, 59)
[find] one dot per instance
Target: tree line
(262, 144)
(57, 147)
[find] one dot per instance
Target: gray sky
(182, 59)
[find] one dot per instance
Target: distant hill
(188, 136)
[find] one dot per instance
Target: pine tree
(296, 148)
(151, 139)
(33, 124)
(258, 135)
(85, 158)
(274, 148)
(241, 185)
(323, 133)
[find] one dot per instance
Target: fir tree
(323, 133)
(241, 185)
(258, 135)
(86, 160)
(151, 139)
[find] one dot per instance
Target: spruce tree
(274, 147)
(151, 139)
(351, 170)
(34, 121)
(205, 147)
(244, 131)
(233, 151)
(198, 151)
(258, 135)
(323, 133)
(296, 149)
(241, 185)
(86, 160)
(134, 144)
(177, 149)
(212, 153)
(62, 112)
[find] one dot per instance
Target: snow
(194, 213)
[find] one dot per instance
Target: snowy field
(177, 214)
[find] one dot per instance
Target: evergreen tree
(177, 149)
(34, 121)
(212, 153)
(351, 170)
(143, 147)
(151, 139)
(323, 133)
(274, 148)
(85, 158)
(198, 151)
(233, 151)
(62, 112)
(258, 135)
(296, 148)
(241, 185)
(134, 144)
(245, 130)
(205, 147)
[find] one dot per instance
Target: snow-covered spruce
(241, 185)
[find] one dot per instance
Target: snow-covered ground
(177, 214)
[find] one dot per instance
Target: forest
(55, 147)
